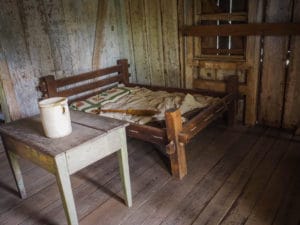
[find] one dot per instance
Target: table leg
(124, 168)
(65, 188)
(15, 167)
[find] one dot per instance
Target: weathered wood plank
(59, 41)
(274, 66)
(292, 99)
(141, 52)
(290, 204)
(170, 42)
(215, 210)
(158, 206)
(155, 45)
(194, 202)
(267, 205)
(15, 50)
(244, 204)
(99, 34)
(9, 104)
(266, 29)
(80, 20)
(37, 37)
(253, 48)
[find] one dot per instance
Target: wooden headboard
(79, 84)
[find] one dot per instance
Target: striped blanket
(141, 98)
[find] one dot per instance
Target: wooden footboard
(175, 135)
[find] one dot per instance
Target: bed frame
(175, 135)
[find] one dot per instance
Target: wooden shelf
(267, 29)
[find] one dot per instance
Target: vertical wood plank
(17, 57)
(141, 55)
(155, 41)
(60, 45)
(80, 20)
(292, 100)
(188, 46)
(125, 35)
(99, 33)
(9, 104)
(274, 69)
(255, 15)
(36, 37)
(170, 42)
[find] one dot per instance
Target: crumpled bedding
(141, 98)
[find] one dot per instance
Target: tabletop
(84, 128)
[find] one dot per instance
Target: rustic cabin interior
(171, 112)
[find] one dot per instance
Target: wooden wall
(60, 37)
(280, 82)
(202, 70)
(153, 37)
(271, 82)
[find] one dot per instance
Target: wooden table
(92, 139)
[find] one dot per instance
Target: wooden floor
(236, 176)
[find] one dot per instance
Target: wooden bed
(172, 138)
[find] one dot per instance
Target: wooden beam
(216, 85)
(267, 29)
(220, 51)
(237, 16)
(221, 65)
(175, 149)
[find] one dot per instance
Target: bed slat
(203, 119)
(148, 133)
(87, 76)
(91, 86)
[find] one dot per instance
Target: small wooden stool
(92, 139)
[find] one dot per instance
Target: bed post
(125, 73)
(175, 149)
(48, 86)
(232, 88)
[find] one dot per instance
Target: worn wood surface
(154, 40)
(175, 148)
(266, 29)
(292, 99)
(235, 176)
(253, 54)
(274, 66)
(60, 37)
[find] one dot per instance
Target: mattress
(138, 98)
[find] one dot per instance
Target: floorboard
(237, 175)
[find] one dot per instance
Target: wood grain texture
(253, 51)
(225, 169)
(154, 40)
(30, 131)
(139, 41)
(292, 99)
(80, 18)
(18, 60)
(170, 42)
(153, 16)
(274, 68)
(59, 37)
(266, 29)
